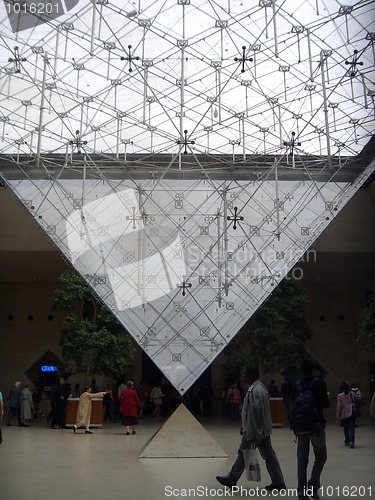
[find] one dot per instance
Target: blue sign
(48, 368)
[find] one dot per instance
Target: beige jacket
(256, 415)
(84, 408)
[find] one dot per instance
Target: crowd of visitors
(308, 394)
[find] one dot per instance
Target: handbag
(251, 464)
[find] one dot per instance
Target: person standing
(14, 403)
(256, 431)
(27, 406)
(121, 387)
(358, 403)
(94, 387)
(273, 389)
(63, 392)
(234, 400)
(77, 391)
(156, 398)
(141, 395)
(107, 403)
(130, 405)
(317, 438)
(53, 397)
(84, 409)
(37, 398)
(346, 402)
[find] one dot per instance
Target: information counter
(96, 412)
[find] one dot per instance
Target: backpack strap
(312, 383)
(300, 385)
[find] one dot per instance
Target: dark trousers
(107, 413)
(349, 429)
(266, 452)
(11, 412)
(318, 442)
(60, 412)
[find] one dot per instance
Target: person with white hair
(27, 406)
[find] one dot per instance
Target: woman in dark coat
(130, 405)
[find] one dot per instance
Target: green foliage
(275, 336)
(367, 322)
(92, 338)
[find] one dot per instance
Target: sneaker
(276, 487)
(74, 428)
(225, 481)
(352, 445)
(88, 432)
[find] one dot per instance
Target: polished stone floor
(38, 463)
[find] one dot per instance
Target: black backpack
(303, 415)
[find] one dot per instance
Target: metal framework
(182, 181)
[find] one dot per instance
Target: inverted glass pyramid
(184, 263)
(184, 155)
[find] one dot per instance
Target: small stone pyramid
(182, 436)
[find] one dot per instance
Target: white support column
(310, 55)
(182, 94)
(225, 238)
(364, 90)
(275, 28)
(182, 44)
(280, 126)
(219, 92)
(243, 137)
(145, 93)
(277, 202)
(141, 253)
(118, 136)
(93, 27)
(56, 51)
(220, 259)
(42, 100)
(325, 104)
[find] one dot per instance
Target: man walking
(62, 394)
(14, 403)
(317, 438)
(256, 431)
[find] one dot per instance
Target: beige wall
(24, 341)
